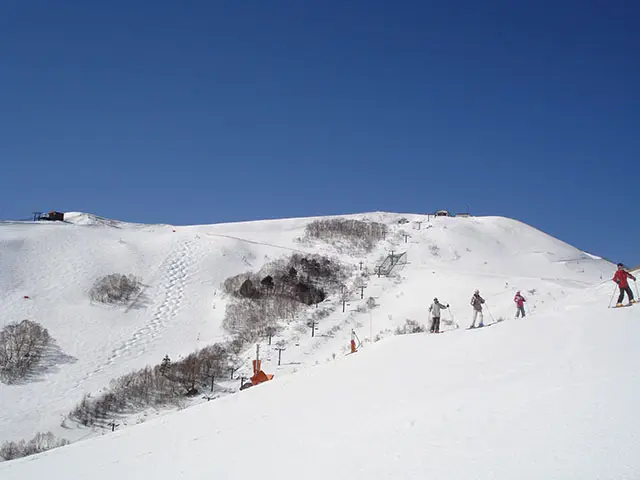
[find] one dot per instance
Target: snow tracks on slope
(174, 274)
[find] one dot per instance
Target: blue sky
(213, 111)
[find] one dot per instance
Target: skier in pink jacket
(519, 301)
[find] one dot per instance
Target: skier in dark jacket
(476, 303)
(435, 315)
(620, 278)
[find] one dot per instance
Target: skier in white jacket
(435, 315)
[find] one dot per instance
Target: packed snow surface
(548, 396)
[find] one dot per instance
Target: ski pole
(489, 312)
(613, 295)
(359, 342)
(637, 294)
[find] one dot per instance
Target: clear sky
(190, 112)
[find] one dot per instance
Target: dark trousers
(520, 311)
(625, 289)
(435, 325)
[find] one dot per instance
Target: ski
(483, 326)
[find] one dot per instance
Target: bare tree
(232, 284)
(214, 361)
(115, 288)
(244, 320)
(83, 412)
(338, 231)
(12, 450)
(41, 442)
(22, 346)
(187, 373)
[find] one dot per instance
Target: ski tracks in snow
(174, 276)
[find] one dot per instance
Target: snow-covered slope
(181, 308)
(553, 396)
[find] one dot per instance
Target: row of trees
(167, 383)
(40, 443)
(303, 278)
(278, 292)
(22, 347)
(347, 233)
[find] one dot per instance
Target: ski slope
(550, 397)
(182, 306)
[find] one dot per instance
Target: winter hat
(620, 265)
(477, 291)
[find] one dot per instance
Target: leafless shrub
(40, 443)
(347, 232)
(232, 284)
(214, 360)
(115, 288)
(305, 278)
(82, 413)
(320, 313)
(187, 373)
(243, 320)
(265, 299)
(371, 303)
(249, 290)
(22, 346)
(410, 326)
(236, 346)
(277, 293)
(164, 384)
(12, 450)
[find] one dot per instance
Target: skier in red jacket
(621, 279)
